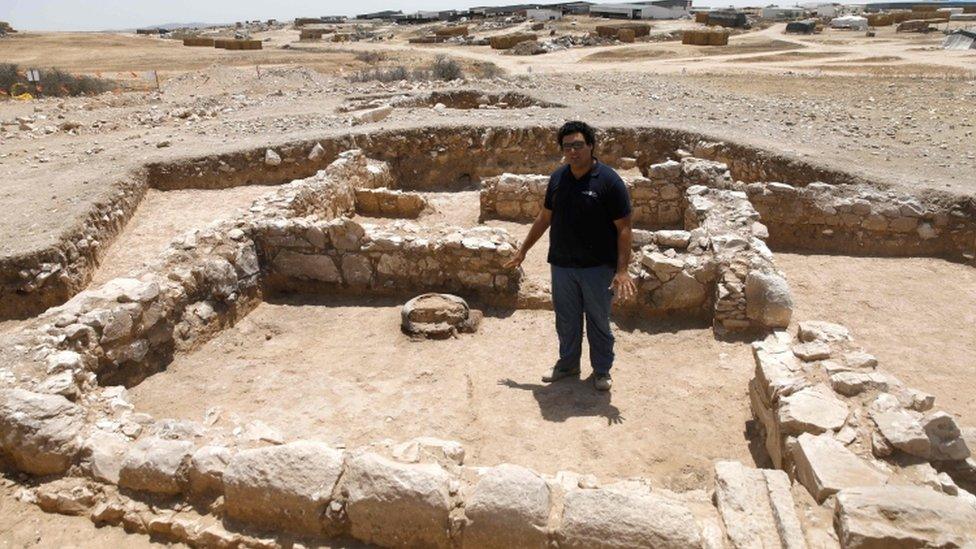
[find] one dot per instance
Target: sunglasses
(574, 146)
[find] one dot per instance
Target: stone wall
(843, 428)
(34, 281)
(861, 220)
(403, 258)
(657, 200)
(750, 292)
(383, 202)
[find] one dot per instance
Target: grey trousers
(579, 293)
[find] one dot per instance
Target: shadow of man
(570, 397)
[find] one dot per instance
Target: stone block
(818, 330)
(105, 452)
(39, 433)
(902, 516)
(287, 487)
(756, 507)
(396, 504)
(825, 466)
(157, 466)
(769, 300)
(507, 507)
(814, 350)
(945, 437)
(614, 517)
(206, 470)
(854, 383)
(811, 410)
(903, 431)
(308, 266)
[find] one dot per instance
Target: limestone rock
(372, 115)
(817, 330)
(507, 507)
(681, 292)
(309, 266)
(67, 496)
(757, 507)
(768, 299)
(206, 470)
(825, 466)
(271, 158)
(814, 350)
(613, 517)
(903, 516)
(903, 431)
(438, 316)
(673, 239)
(421, 449)
(396, 504)
(356, 270)
(855, 383)
(105, 453)
(157, 466)
(945, 437)
(38, 432)
(285, 487)
(811, 410)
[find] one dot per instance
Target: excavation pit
(268, 345)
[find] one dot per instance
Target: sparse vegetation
(443, 68)
(53, 82)
(370, 56)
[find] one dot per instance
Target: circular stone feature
(438, 316)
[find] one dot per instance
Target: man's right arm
(538, 229)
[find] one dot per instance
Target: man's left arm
(623, 285)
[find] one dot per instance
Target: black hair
(575, 126)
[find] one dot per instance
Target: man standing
(588, 208)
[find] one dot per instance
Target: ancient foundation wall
(657, 200)
(456, 157)
(844, 428)
(860, 220)
(32, 282)
(342, 255)
(751, 293)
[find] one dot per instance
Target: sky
(90, 15)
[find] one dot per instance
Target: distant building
(388, 15)
(658, 9)
(542, 14)
(783, 14)
(885, 6)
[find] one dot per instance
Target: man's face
(575, 149)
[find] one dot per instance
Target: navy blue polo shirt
(582, 233)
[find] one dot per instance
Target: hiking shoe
(559, 373)
(602, 382)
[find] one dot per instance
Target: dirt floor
(917, 315)
(349, 376)
(164, 215)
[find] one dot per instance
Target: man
(588, 208)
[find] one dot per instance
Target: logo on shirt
(591, 194)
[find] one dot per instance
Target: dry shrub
(442, 68)
(446, 69)
(54, 82)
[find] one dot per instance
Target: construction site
(256, 282)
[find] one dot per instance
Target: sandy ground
(917, 315)
(161, 217)
(342, 372)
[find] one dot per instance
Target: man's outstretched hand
(623, 286)
(515, 261)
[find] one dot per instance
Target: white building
(660, 9)
(782, 14)
(543, 14)
(826, 10)
(852, 22)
